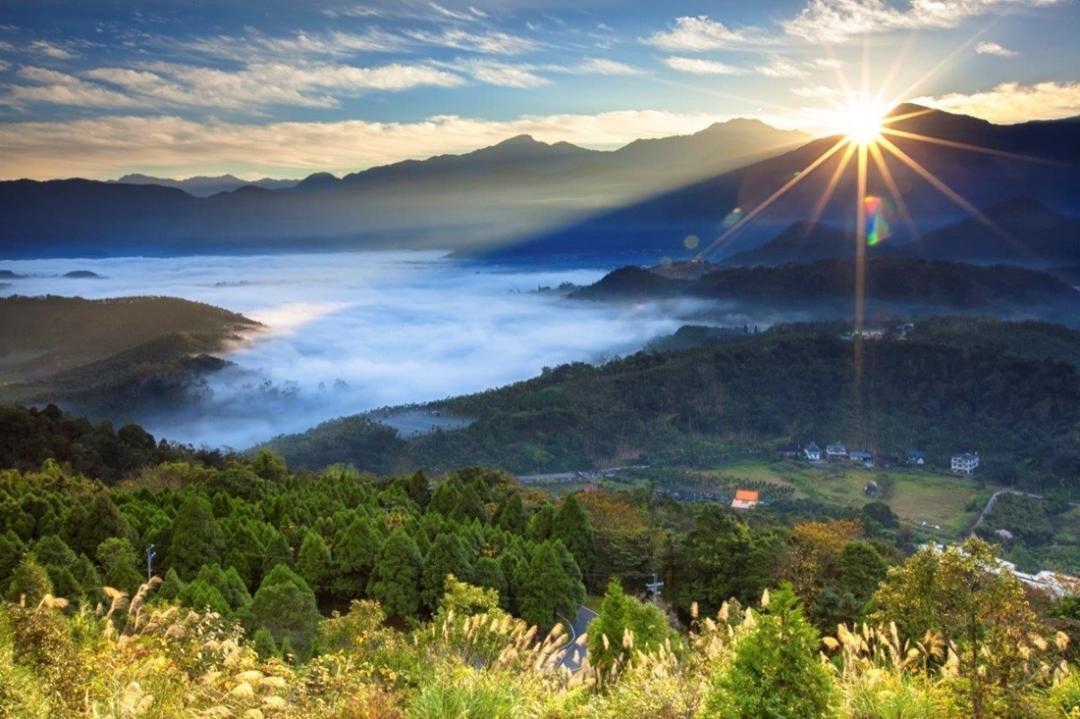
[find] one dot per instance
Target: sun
(861, 121)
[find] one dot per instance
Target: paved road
(993, 500)
(576, 655)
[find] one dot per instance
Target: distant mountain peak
(318, 179)
(740, 124)
(522, 140)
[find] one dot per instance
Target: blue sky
(285, 88)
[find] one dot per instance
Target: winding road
(575, 656)
(993, 500)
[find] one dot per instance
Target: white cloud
(501, 74)
(698, 66)
(779, 66)
(838, 20)
(603, 66)
(58, 88)
(255, 46)
(696, 34)
(451, 14)
(818, 92)
(477, 12)
(1012, 102)
(993, 48)
(51, 50)
(174, 146)
(256, 86)
(492, 43)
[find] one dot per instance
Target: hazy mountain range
(206, 186)
(1021, 231)
(1034, 159)
(510, 190)
(524, 199)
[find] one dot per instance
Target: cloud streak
(258, 85)
(700, 33)
(993, 48)
(700, 66)
(836, 21)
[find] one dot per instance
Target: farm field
(947, 504)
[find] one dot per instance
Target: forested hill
(43, 335)
(889, 282)
(109, 356)
(794, 384)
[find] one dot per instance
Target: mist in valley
(347, 333)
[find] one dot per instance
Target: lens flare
(877, 222)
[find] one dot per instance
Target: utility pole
(150, 554)
(654, 587)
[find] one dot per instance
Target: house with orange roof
(745, 499)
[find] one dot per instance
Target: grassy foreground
(142, 658)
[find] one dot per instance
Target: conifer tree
(119, 564)
(264, 643)
(277, 551)
(447, 556)
(196, 537)
(775, 672)
(355, 551)
(488, 573)
(285, 605)
(171, 587)
(395, 580)
(445, 497)
(313, 562)
(621, 618)
(10, 551)
(469, 506)
(545, 590)
(416, 486)
(511, 515)
(571, 527)
(541, 523)
(29, 582)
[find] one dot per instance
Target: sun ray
(830, 188)
(962, 47)
(900, 61)
(860, 240)
(947, 191)
(773, 197)
(860, 284)
(966, 146)
(892, 119)
(890, 182)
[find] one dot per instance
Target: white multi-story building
(965, 463)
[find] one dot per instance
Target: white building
(965, 463)
(835, 451)
(812, 452)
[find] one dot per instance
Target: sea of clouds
(349, 332)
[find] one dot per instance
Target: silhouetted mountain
(495, 194)
(201, 186)
(1037, 159)
(1021, 231)
(510, 196)
(911, 283)
(802, 242)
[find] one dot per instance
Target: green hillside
(751, 394)
(108, 355)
